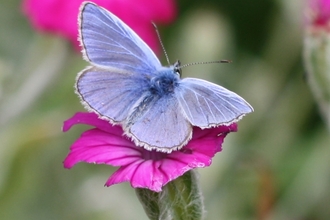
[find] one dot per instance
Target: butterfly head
(177, 67)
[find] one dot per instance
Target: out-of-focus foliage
(277, 166)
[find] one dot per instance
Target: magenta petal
(148, 175)
(199, 133)
(318, 13)
(92, 119)
(140, 175)
(60, 16)
(96, 146)
(105, 144)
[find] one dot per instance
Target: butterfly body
(127, 85)
(165, 82)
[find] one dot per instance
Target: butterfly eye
(177, 67)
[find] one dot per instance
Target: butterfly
(127, 85)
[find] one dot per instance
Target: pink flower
(105, 144)
(318, 13)
(60, 16)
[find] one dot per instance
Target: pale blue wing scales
(110, 94)
(109, 42)
(206, 104)
(161, 126)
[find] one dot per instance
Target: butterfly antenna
(161, 43)
(197, 63)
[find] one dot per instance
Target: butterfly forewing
(111, 94)
(207, 105)
(109, 42)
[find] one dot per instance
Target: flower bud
(317, 53)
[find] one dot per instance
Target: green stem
(180, 200)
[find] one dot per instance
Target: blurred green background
(276, 167)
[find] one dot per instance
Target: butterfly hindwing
(109, 42)
(161, 126)
(207, 105)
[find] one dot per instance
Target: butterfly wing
(123, 64)
(110, 94)
(110, 43)
(161, 126)
(207, 105)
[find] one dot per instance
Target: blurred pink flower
(318, 13)
(60, 16)
(105, 144)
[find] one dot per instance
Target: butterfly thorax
(165, 82)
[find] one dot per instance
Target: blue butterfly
(127, 85)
